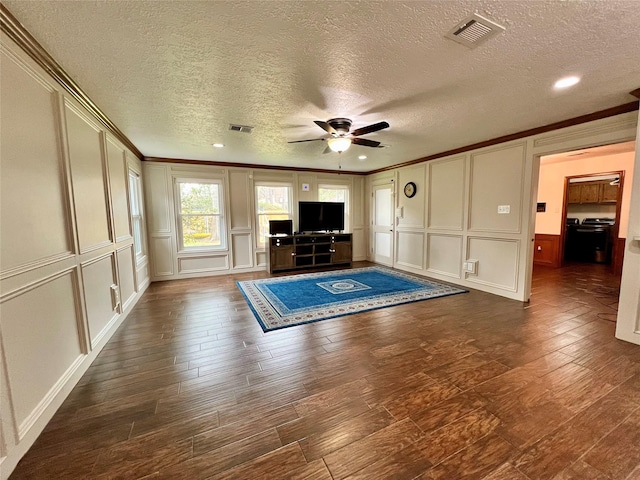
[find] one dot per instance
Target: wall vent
(240, 128)
(474, 30)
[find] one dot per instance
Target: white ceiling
(172, 75)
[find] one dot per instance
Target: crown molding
(21, 36)
(250, 166)
(590, 117)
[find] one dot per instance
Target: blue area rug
(296, 299)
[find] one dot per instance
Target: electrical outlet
(471, 266)
(504, 209)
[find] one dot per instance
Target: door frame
(565, 204)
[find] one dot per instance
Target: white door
(382, 228)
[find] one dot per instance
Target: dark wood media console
(292, 252)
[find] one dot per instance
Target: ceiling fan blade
(370, 129)
(325, 126)
(310, 140)
(327, 150)
(365, 142)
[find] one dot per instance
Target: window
(273, 202)
(336, 193)
(135, 197)
(200, 219)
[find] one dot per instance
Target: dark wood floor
(468, 386)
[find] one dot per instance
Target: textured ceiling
(172, 75)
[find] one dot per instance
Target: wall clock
(410, 189)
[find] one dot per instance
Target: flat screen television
(320, 216)
(280, 227)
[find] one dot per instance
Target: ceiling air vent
(474, 30)
(240, 128)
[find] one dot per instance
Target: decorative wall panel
(98, 276)
(32, 186)
(446, 194)
(118, 182)
(240, 195)
(410, 249)
(412, 208)
(162, 255)
(87, 175)
(126, 275)
(444, 254)
(497, 262)
(157, 196)
(242, 250)
(497, 178)
(203, 264)
(41, 341)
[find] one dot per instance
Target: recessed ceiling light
(362, 157)
(566, 82)
(218, 145)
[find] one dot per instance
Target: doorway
(583, 206)
(382, 231)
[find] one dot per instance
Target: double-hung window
(273, 202)
(200, 214)
(336, 193)
(135, 207)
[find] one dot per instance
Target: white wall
(65, 240)
(242, 253)
(453, 218)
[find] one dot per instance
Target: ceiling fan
(341, 139)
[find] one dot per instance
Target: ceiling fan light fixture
(339, 144)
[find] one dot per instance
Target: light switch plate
(504, 209)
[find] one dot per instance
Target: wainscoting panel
(241, 246)
(98, 276)
(547, 250)
(413, 208)
(261, 259)
(410, 249)
(207, 263)
(444, 254)
(359, 244)
(41, 341)
(118, 179)
(240, 199)
(497, 262)
(38, 212)
(126, 276)
(162, 254)
(497, 179)
(157, 199)
(87, 175)
(446, 194)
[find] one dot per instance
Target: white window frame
(136, 210)
(289, 214)
(347, 202)
(221, 215)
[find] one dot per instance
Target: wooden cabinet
(341, 252)
(574, 192)
(592, 192)
(609, 193)
(589, 192)
(293, 252)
